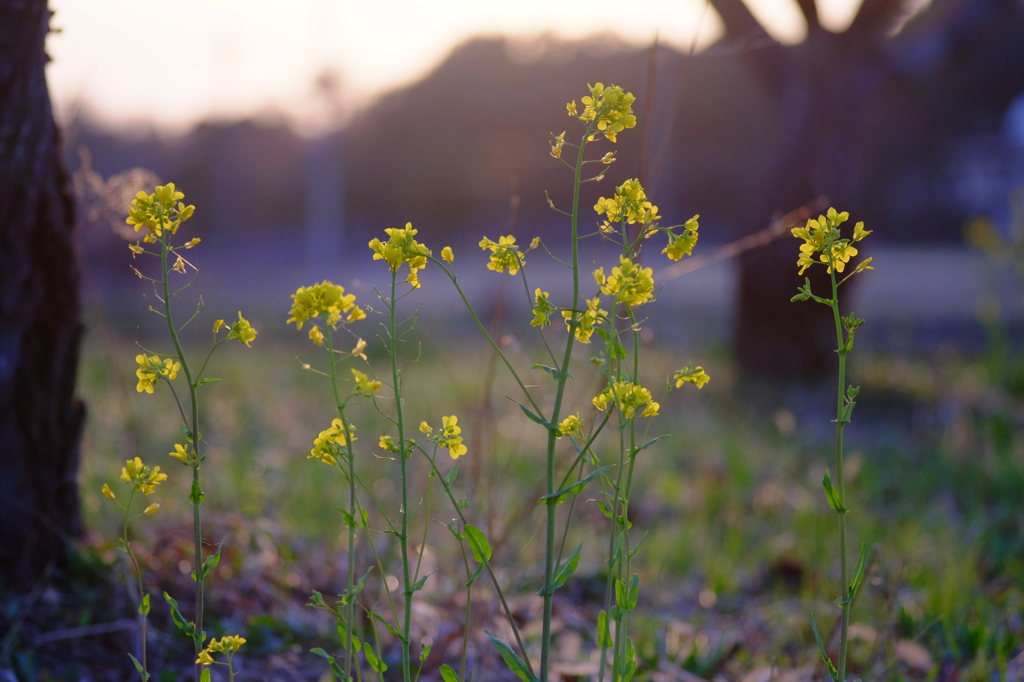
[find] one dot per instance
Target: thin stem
(842, 350)
(195, 495)
(404, 512)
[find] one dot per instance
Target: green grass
(740, 542)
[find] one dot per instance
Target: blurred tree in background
(40, 322)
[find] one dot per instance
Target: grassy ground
(740, 544)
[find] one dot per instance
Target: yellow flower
(316, 336)
(450, 438)
(682, 245)
(328, 445)
(571, 425)
(242, 331)
(542, 309)
(556, 146)
(585, 321)
(192, 242)
(364, 386)
(629, 283)
(425, 429)
(402, 247)
(629, 398)
(227, 645)
(358, 350)
(179, 264)
(447, 255)
(691, 374)
(158, 212)
(107, 492)
(180, 453)
(822, 237)
(608, 158)
(325, 300)
(505, 255)
(610, 108)
(218, 325)
(151, 509)
(571, 108)
(842, 252)
(151, 368)
(388, 443)
(143, 478)
(136, 249)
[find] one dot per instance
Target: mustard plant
(141, 479)
(160, 215)
(825, 245)
(628, 219)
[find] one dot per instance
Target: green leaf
(425, 652)
(206, 380)
(478, 543)
(532, 417)
(347, 595)
(197, 496)
(512, 660)
(626, 596)
(390, 628)
(138, 666)
(449, 478)
(144, 605)
(832, 671)
(447, 674)
(553, 372)
(374, 662)
(321, 653)
(179, 620)
(560, 496)
(205, 676)
(212, 560)
(567, 568)
(604, 509)
(858, 573)
(646, 445)
(833, 495)
(418, 585)
(475, 575)
(604, 636)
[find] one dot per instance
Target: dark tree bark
(40, 319)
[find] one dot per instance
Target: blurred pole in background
(40, 318)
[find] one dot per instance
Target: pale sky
(173, 64)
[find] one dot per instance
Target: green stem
(193, 428)
(403, 461)
(840, 488)
(350, 614)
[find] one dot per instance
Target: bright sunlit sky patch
(173, 64)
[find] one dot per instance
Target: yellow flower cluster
(610, 107)
(542, 309)
(822, 238)
(585, 321)
(240, 330)
(571, 426)
(227, 644)
(328, 445)
(629, 283)
(159, 212)
(629, 398)
(680, 245)
(402, 247)
(691, 374)
(505, 254)
(629, 204)
(450, 438)
(141, 477)
(151, 368)
(327, 301)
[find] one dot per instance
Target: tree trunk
(40, 318)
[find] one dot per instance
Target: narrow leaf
(449, 478)
(447, 674)
(604, 637)
(560, 496)
(512, 660)
(374, 662)
(832, 494)
(858, 574)
(832, 671)
(567, 568)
